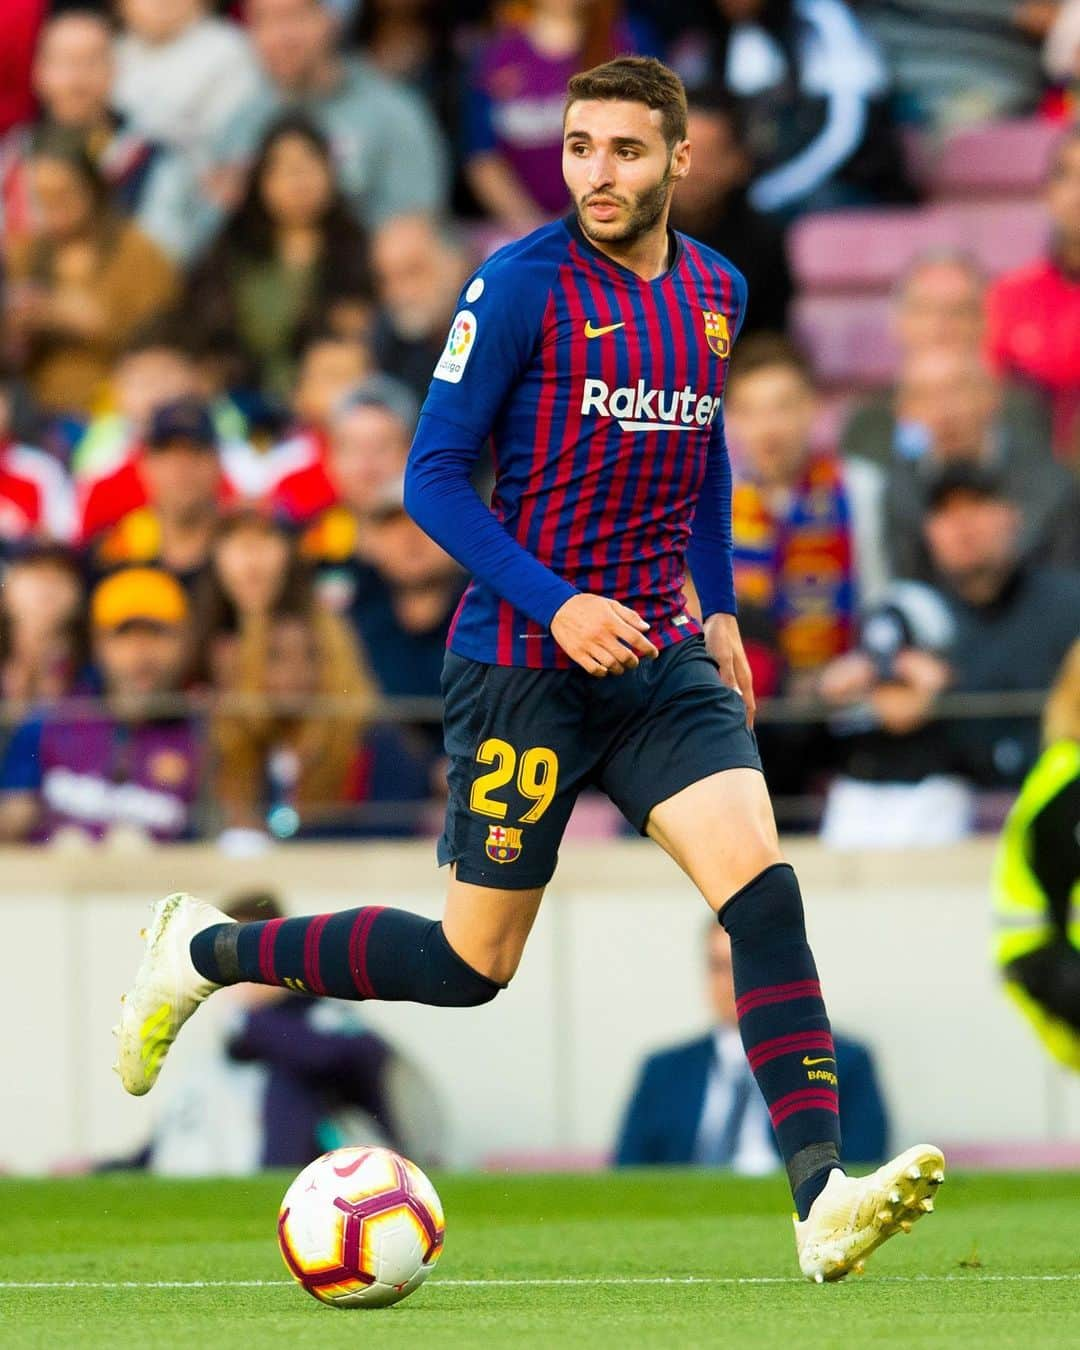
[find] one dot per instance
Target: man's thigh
(518, 759)
(720, 830)
(488, 928)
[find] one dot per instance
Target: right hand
(602, 636)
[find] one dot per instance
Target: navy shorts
(523, 743)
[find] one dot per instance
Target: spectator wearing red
(1033, 328)
(36, 498)
(180, 474)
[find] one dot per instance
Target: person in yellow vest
(1037, 880)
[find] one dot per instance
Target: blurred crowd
(233, 238)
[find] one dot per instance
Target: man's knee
(452, 982)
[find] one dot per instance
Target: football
(361, 1228)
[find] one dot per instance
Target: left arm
(710, 554)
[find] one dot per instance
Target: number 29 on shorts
(537, 779)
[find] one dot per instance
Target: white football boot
(167, 989)
(854, 1215)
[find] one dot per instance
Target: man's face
(702, 194)
(159, 20)
(73, 71)
(418, 277)
(952, 395)
(39, 599)
(146, 379)
(182, 480)
(293, 38)
(973, 539)
(405, 555)
(941, 306)
(1063, 192)
(618, 168)
(720, 983)
(369, 447)
(770, 417)
(140, 659)
(327, 372)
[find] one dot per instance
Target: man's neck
(649, 256)
(186, 543)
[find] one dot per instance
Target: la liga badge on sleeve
(503, 844)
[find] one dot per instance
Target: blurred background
(232, 239)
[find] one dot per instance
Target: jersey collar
(675, 252)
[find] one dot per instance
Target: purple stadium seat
(1006, 158)
(867, 250)
(847, 338)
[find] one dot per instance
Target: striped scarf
(798, 567)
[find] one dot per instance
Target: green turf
(676, 1224)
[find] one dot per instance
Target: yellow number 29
(537, 779)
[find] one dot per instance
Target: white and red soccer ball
(361, 1228)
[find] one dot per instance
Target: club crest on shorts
(716, 332)
(503, 845)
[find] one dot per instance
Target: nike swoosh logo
(810, 1062)
(590, 331)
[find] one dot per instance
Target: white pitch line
(542, 1283)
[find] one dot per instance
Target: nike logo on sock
(828, 1059)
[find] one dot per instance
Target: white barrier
(614, 969)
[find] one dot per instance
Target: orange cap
(138, 594)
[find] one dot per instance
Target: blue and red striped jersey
(602, 395)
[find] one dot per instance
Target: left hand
(724, 644)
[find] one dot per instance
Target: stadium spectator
(806, 524)
(813, 89)
(289, 767)
(1033, 314)
(403, 612)
(515, 100)
(995, 622)
(1037, 943)
(127, 768)
(282, 1079)
(938, 302)
(413, 42)
(948, 400)
(713, 207)
(369, 431)
(42, 625)
(297, 45)
(73, 78)
(36, 499)
(698, 1103)
(180, 472)
(182, 73)
(80, 283)
(254, 569)
(419, 270)
(290, 245)
(958, 62)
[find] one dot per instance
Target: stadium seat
(847, 337)
(999, 158)
(1001, 235)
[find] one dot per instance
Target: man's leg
(721, 832)
(373, 952)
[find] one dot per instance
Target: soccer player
(593, 353)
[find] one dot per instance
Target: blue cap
(184, 419)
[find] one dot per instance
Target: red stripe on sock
(358, 940)
(312, 938)
(807, 1099)
(267, 938)
(788, 1045)
(777, 993)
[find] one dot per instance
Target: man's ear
(679, 165)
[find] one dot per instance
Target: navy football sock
(357, 954)
(784, 1026)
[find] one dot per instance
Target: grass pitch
(646, 1259)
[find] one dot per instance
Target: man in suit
(698, 1103)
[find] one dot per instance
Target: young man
(593, 351)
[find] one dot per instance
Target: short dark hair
(636, 79)
(763, 351)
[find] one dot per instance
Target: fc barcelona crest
(716, 332)
(503, 845)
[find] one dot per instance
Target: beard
(646, 210)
